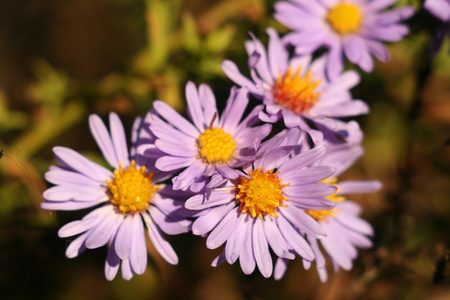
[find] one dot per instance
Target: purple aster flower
(346, 231)
(211, 144)
(439, 8)
(127, 200)
(354, 28)
(265, 207)
(296, 88)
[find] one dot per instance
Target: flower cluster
(228, 176)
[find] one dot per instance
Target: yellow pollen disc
(295, 92)
(321, 214)
(131, 189)
(216, 146)
(345, 18)
(261, 193)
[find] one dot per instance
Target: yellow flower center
(321, 214)
(216, 146)
(345, 18)
(131, 189)
(261, 194)
(295, 92)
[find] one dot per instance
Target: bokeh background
(63, 60)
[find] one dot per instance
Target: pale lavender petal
(72, 205)
(217, 197)
(177, 149)
(308, 175)
(335, 64)
(175, 118)
(124, 237)
(167, 223)
(208, 102)
(280, 268)
(88, 222)
(261, 249)
(227, 172)
(170, 134)
(302, 221)
(315, 203)
(235, 242)
(65, 177)
(275, 238)
(207, 222)
(246, 258)
(234, 110)
(162, 246)
(225, 228)
(310, 190)
(188, 176)
(138, 256)
(355, 223)
(71, 192)
(220, 259)
(194, 108)
(358, 186)
(262, 66)
(127, 270)
(278, 56)
(231, 70)
(349, 109)
(119, 140)
(77, 246)
(295, 239)
(301, 160)
(103, 139)
(170, 163)
(101, 234)
(112, 263)
(81, 164)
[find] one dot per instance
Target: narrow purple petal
(302, 221)
(236, 240)
(103, 139)
(103, 232)
(295, 239)
(112, 263)
(261, 249)
(194, 108)
(205, 223)
(170, 163)
(119, 140)
(358, 186)
(246, 258)
(275, 238)
(77, 246)
(231, 70)
(162, 246)
(188, 176)
(81, 164)
(124, 237)
(225, 228)
(175, 118)
(138, 256)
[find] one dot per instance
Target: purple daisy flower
(212, 145)
(439, 8)
(266, 206)
(354, 28)
(132, 198)
(345, 229)
(296, 89)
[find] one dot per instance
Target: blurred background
(63, 60)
